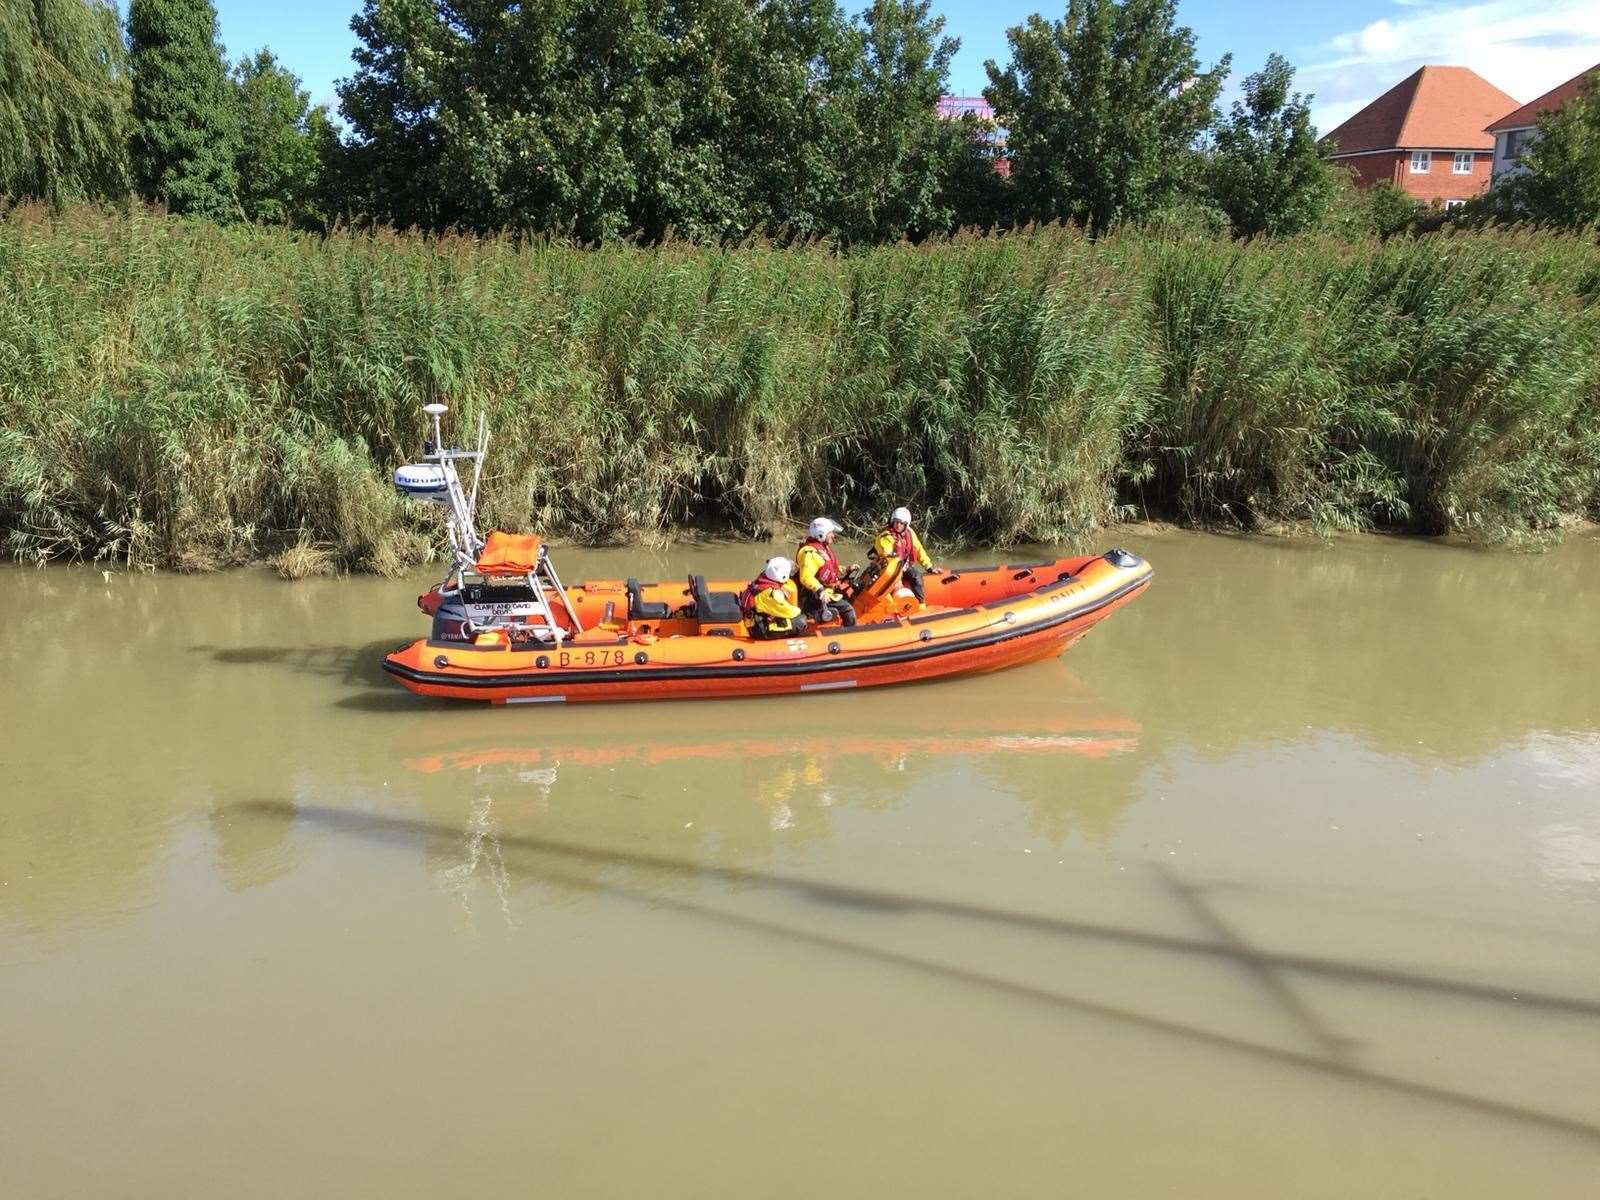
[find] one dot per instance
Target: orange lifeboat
(505, 629)
(629, 641)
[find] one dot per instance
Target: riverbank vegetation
(181, 394)
(700, 263)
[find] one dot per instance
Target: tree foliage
(786, 131)
(336, 192)
(1559, 183)
(1102, 109)
(901, 151)
(976, 185)
(714, 118)
(277, 164)
(63, 101)
(1358, 211)
(185, 118)
(1264, 169)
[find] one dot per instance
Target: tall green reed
(174, 394)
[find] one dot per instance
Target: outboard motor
(450, 622)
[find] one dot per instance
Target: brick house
(1425, 135)
(1513, 132)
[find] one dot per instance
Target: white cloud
(1332, 115)
(1379, 38)
(1522, 48)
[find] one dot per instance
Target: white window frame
(1421, 162)
(1449, 204)
(1462, 163)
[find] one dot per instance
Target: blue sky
(1346, 53)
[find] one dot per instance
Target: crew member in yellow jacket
(821, 577)
(769, 602)
(899, 543)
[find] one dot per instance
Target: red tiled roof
(1435, 108)
(1555, 98)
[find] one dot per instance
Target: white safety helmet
(901, 514)
(779, 569)
(822, 527)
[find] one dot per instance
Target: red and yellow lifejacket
(904, 549)
(761, 583)
(828, 573)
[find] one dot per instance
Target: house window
(1421, 162)
(1449, 204)
(1517, 142)
(1462, 164)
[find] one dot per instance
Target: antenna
(477, 466)
(436, 411)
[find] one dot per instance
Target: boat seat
(640, 609)
(721, 608)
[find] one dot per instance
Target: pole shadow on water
(354, 665)
(1332, 1060)
(359, 668)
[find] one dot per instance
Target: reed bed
(178, 395)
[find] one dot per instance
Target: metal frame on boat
(437, 481)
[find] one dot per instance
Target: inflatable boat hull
(976, 620)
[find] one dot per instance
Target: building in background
(1426, 135)
(953, 108)
(1514, 132)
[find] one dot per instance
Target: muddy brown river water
(1285, 882)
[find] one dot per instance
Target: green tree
(185, 119)
(1101, 109)
(608, 118)
(393, 110)
(791, 132)
(900, 151)
(976, 187)
(277, 163)
(601, 117)
(1559, 183)
(1264, 169)
(63, 101)
(1388, 209)
(1359, 210)
(336, 189)
(496, 114)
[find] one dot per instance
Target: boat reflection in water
(1086, 733)
(745, 771)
